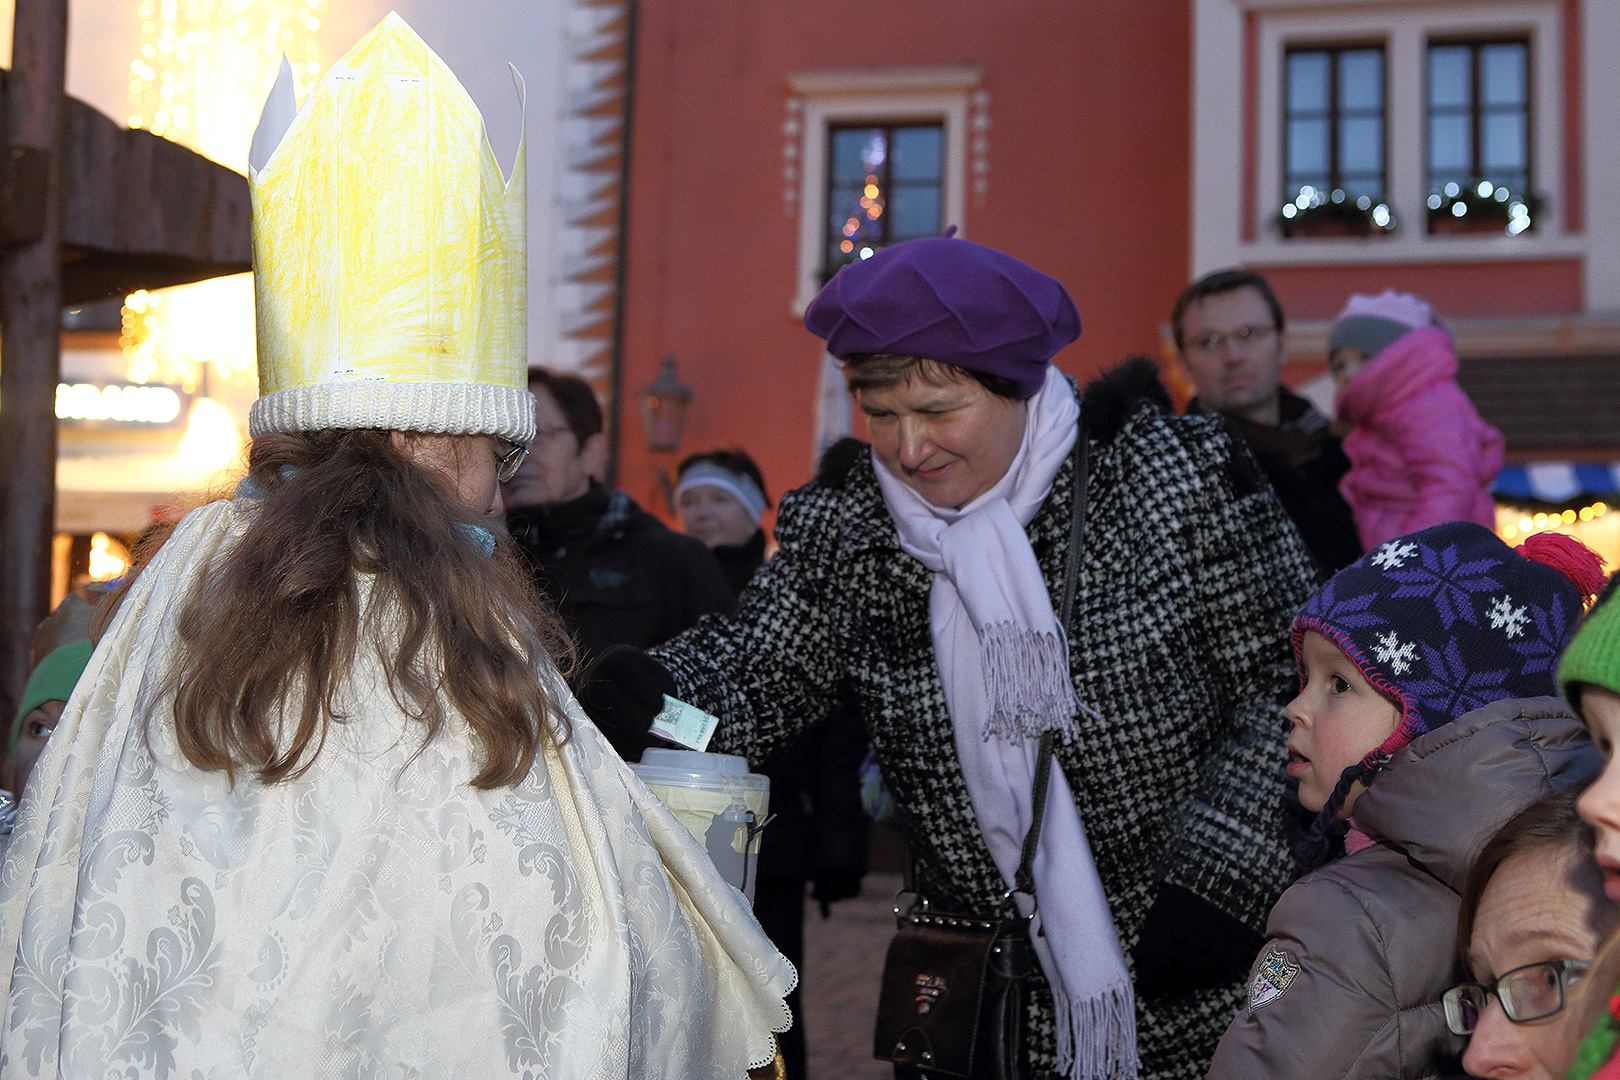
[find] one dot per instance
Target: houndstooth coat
(1189, 576)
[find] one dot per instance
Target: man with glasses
(1229, 334)
(617, 574)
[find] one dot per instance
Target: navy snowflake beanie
(1445, 621)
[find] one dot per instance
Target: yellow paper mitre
(389, 256)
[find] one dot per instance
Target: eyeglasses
(507, 464)
(1244, 337)
(1532, 992)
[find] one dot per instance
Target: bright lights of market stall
(127, 404)
(1532, 522)
(212, 440)
(105, 564)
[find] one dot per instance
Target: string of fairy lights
(199, 76)
(862, 228)
(1528, 523)
(203, 67)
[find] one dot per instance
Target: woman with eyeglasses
(1533, 912)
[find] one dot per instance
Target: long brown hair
(1591, 998)
(273, 628)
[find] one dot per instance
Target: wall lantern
(664, 403)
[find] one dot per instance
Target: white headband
(742, 488)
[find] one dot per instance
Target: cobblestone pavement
(843, 959)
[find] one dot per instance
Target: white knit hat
(389, 255)
(1373, 323)
(1408, 309)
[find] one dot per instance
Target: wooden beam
(30, 344)
(137, 211)
(142, 212)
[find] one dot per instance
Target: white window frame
(882, 95)
(1405, 31)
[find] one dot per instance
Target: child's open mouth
(1297, 763)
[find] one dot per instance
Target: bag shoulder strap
(1024, 879)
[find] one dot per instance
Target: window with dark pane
(885, 184)
(1479, 130)
(1333, 138)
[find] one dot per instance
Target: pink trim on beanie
(1411, 725)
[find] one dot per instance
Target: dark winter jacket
(1361, 950)
(739, 562)
(816, 793)
(815, 780)
(1305, 462)
(618, 575)
(1189, 577)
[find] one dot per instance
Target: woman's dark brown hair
(272, 630)
(879, 371)
(575, 400)
(1551, 823)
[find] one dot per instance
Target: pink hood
(1419, 453)
(1414, 362)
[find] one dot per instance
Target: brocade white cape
(378, 917)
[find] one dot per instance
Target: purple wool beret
(948, 300)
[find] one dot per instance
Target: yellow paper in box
(697, 809)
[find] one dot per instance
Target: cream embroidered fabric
(377, 918)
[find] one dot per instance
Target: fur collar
(1115, 395)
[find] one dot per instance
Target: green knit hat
(53, 680)
(1593, 655)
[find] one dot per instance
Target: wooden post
(30, 334)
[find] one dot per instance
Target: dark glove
(623, 690)
(832, 884)
(1189, 944)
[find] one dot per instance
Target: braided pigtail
(1325, 840)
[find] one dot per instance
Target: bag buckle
(918, 903)
(1034, 905)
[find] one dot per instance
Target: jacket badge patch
(1272, 977)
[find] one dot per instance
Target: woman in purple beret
(924, 572)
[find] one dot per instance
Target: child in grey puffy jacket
(1428, 666)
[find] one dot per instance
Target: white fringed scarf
(1004, 663)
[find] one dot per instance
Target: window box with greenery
(1479, 138)
(1481, 208)
(1315, 213)
(1334, 130)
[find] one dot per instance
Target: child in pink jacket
(1419, 453)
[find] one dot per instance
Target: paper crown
(389, 256)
